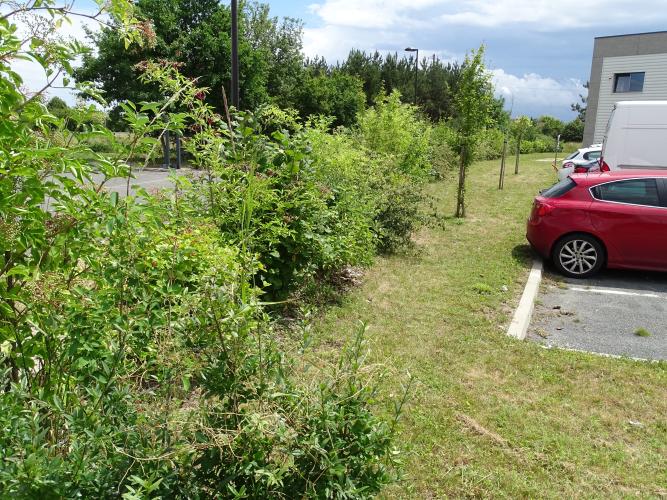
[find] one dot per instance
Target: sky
(539, 51)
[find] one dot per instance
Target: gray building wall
(618, 47)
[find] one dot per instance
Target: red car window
(631, 191)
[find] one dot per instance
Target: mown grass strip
(491, 416)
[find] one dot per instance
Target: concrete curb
(550, 347)
(519, 326)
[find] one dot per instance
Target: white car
(583, 158)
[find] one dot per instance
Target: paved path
(149, 179)
(602, 314)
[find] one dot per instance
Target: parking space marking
(612, 291)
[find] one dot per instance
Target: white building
(624, 68)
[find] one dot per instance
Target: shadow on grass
(524, 255)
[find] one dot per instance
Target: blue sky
(539, 50)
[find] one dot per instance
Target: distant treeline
(196, 37)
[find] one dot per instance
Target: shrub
(136, 359)
(574, 131)
(490, 144)
(444, 157)
(395, 130)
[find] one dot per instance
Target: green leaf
(19, 270)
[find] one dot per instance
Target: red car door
(631, 217)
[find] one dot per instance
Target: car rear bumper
(538, 238)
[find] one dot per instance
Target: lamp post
(235, 55)
(410, 49)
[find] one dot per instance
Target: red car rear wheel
(578, 255)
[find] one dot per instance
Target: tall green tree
(195, 34)
(473, 104)
(437, 82)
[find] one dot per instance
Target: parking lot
(617, 312)
(149, 179)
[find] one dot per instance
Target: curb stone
(519, 326)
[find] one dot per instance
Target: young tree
(520, 127)
(580, 107)
(473, 103)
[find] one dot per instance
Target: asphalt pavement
(621, 313)
(149, 179)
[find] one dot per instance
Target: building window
(629, 82)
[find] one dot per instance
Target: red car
(617, 219)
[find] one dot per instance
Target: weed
(482, 288)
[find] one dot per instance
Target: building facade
(624, 68)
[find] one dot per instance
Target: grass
(490, 416)
(642, 332)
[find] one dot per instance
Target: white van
(636, 136)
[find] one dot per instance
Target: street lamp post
(235, 55)
(410, 49)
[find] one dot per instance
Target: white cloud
(371, 14)
(549, 15)
(538, 15)
(532, 91)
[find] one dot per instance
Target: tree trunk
(501, 181)
(461, 202)
(518, 153)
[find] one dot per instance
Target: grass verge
(491, 416)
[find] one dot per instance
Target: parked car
(581, 161)
(636, 136)
(616, 219)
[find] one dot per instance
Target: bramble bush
(137, 357)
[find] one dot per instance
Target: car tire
(578, 255)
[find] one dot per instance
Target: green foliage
(580, 106)
(196, 35)
(490, 144)
(473, 101)
(137, 359)
(443, 144)
(273, 70)
(474, 105)
(337, 95)
(549, 126)
(521, 127)
(401, 141)
(395, 130)
(56, 104)
(573, 131)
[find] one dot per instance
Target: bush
(395, 130)
(541, 144)
(336, 94)
(444, 157)
(574, 131)
(136, 357)
(491, 145)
